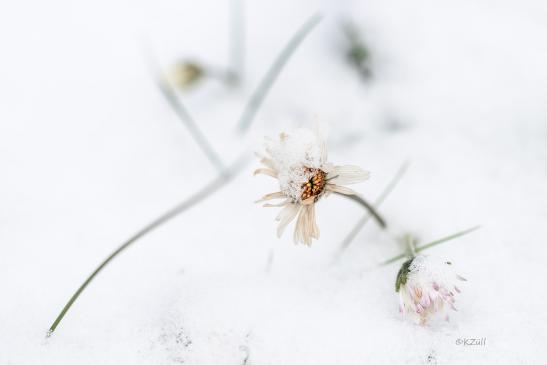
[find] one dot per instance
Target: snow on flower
(426, 287)
(299, 162)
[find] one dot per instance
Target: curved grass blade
(372, 211)
(447, 238)
(192, 127)
(366, 217)
(266, 83)
(433, 243)
(237, 41)
(220, 181)
(178, 107)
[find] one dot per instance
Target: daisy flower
(299, 162)
(426, 288)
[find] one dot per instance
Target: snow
(90, 152)
(294, 154)
(432, 269)
(427, 288)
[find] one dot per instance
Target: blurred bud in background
(185, 74)
(357, 52)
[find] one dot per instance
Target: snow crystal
(293, 155)
(430, 269)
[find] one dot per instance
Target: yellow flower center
(315, 185)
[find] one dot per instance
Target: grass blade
(220, 181)
(237, 41)
(393, 259)
(433, 243)
(447, 238)
(266, 83)
(178, 107)
(366, 217)
(189, 123)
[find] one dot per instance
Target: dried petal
(347, 174)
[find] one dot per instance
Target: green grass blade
(266, 83)
(433, 243)
(220, 181)
(447, 238)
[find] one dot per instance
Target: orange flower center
(315, 185)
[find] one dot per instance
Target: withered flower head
(426, 287)
(299, 162)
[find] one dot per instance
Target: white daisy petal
(306, 227)
(340, 189)
(347, 174)
(327, 167)
(308, 201)
(276, 195)
(323, 149)
(265, 171)
(299, 229)
(282, 204)
(287, 214)
(268, 162)
(312, 222)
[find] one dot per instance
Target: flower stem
(431, 244)
(366, 217)
(221, 180)
(267, 81)
(410, 246)
(372, 211)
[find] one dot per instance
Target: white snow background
(90, 152)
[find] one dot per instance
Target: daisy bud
(427, 288)
(185, 74)
(299, 163)
(358, 53)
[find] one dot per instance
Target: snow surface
(90, 152)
